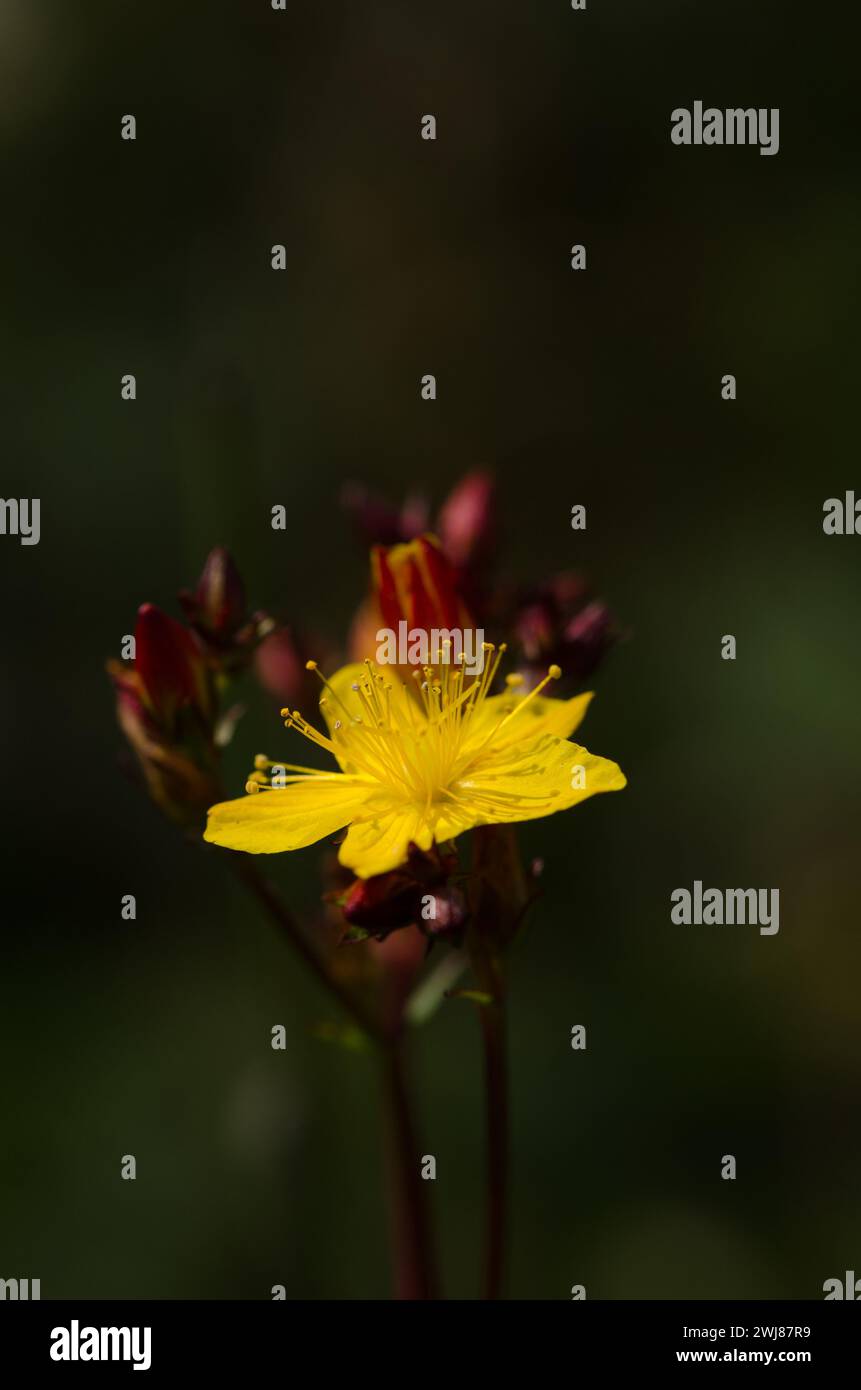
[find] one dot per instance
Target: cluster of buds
(560, 622)
(167, 709)
(376, 932)
(218, 614)
(423, 892)
(437, 581)
(465, 526)
(168, 699)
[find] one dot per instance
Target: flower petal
(287, 817)
(542, 715)
(380, 843)
(538, 779)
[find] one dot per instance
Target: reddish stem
(415, 1267)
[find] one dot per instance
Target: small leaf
(475, 996)
(226, 726)
(426, 997)
(353, 935)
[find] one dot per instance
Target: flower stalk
(488, 969)
(501, 892)
(412, 1244)
(424, 746)
(261, 889)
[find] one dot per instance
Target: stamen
(416, 741)
(312, 666)
(553, 674)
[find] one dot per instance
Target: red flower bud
(415, 583)
(170, 666)
(177, 779)
(217, 606)
(420, 893)
(280, 667)
(587, 637)
(466, 519)
(557, 624)
(383, 903)
(380, 523)
(536, 629)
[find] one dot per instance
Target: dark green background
(704, 518)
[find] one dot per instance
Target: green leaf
(427, 996)
(475, 996)
(353, 935)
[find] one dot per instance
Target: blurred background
(704, 518)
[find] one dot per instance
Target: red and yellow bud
(416, 584)
(166, 709)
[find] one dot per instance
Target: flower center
(413, 743)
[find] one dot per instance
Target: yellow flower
(419, 765)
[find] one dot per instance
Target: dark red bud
(280, 667)
(419, 893)
(217, 606)
(587, 637)
(383, 903)
(536, 629)
(466, 518)
(169, 664)
(380, 523)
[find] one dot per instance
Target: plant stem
(493, 1032)
(499, 897)
(415, 1270)
(415, 1275)
(267, 895)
